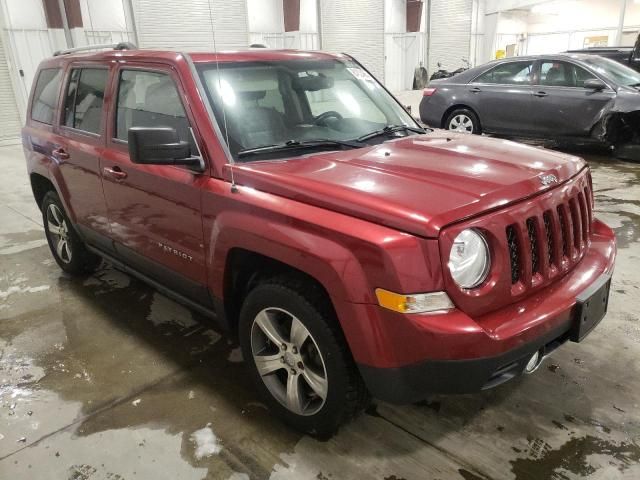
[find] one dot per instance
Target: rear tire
(463, 120)
(67, 248)
(296, 375)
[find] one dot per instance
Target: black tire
(75, 258)
(346, 394)
(459, 113)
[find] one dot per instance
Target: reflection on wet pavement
(105, 378)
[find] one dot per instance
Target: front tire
(298, 358)
(67, 248)
(463, 120)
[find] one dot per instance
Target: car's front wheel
(463, 120)
(298, 358)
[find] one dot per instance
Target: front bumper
(407, 357)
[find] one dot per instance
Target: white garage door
(450, 33)
(355, 27)
(9, 120)
(186, 25)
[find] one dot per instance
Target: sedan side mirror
(594, 84)
(159, 146)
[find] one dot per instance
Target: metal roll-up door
(10, 123)
(355, 27)
(450, 33)
(186, 25)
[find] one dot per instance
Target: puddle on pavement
(110, 341)
(578, 457)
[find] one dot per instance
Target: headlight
(469, 259)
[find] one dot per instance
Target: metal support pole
(319, 22)
(128, 10)
(65, 24)
(623, 11)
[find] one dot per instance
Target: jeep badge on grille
(548, 179)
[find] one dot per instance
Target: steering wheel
(320, 119)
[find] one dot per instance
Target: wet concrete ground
(104, 378)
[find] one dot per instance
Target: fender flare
(328, 262)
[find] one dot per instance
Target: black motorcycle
(442, 73)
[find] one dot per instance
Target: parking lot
(104, 378)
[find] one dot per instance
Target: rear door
(79, 143)
(561, 104)
(502, 97)
(154, 210)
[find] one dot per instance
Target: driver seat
(258, 126)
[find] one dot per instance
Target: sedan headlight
(469, 260)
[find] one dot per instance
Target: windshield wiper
(389, 129)
(299, 145)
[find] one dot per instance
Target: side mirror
(159, 146)
(594, 84)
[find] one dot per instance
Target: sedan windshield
(620, 74)
(300, 105)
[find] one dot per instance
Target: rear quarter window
(45, 95)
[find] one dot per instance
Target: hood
(417, 184)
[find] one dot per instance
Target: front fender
(350, 257)
(326, 260)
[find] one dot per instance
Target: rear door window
(150, 99)
(85, 98)
(510, 73)
(45, 96)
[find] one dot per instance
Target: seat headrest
(163, 98)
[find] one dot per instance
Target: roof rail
(104, 46)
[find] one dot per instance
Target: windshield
(613, 70)
(265, 103)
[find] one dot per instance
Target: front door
(561, 104)
(154, 211)
(502, 98)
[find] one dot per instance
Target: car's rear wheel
(298, 358)
(68, 249)
(463, 120)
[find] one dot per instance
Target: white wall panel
(355, 27)
(450, 33)
(10, 119)
(188, 26)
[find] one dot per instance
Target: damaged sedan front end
(618, 123)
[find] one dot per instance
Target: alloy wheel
(59, 232)
(461, 123)
(289, 361)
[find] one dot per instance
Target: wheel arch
(246, 269)
(40, 185)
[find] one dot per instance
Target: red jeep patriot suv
(289, 196)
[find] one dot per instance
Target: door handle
(475, 90)
(540, 94)
(116, 173)
(60, 154)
